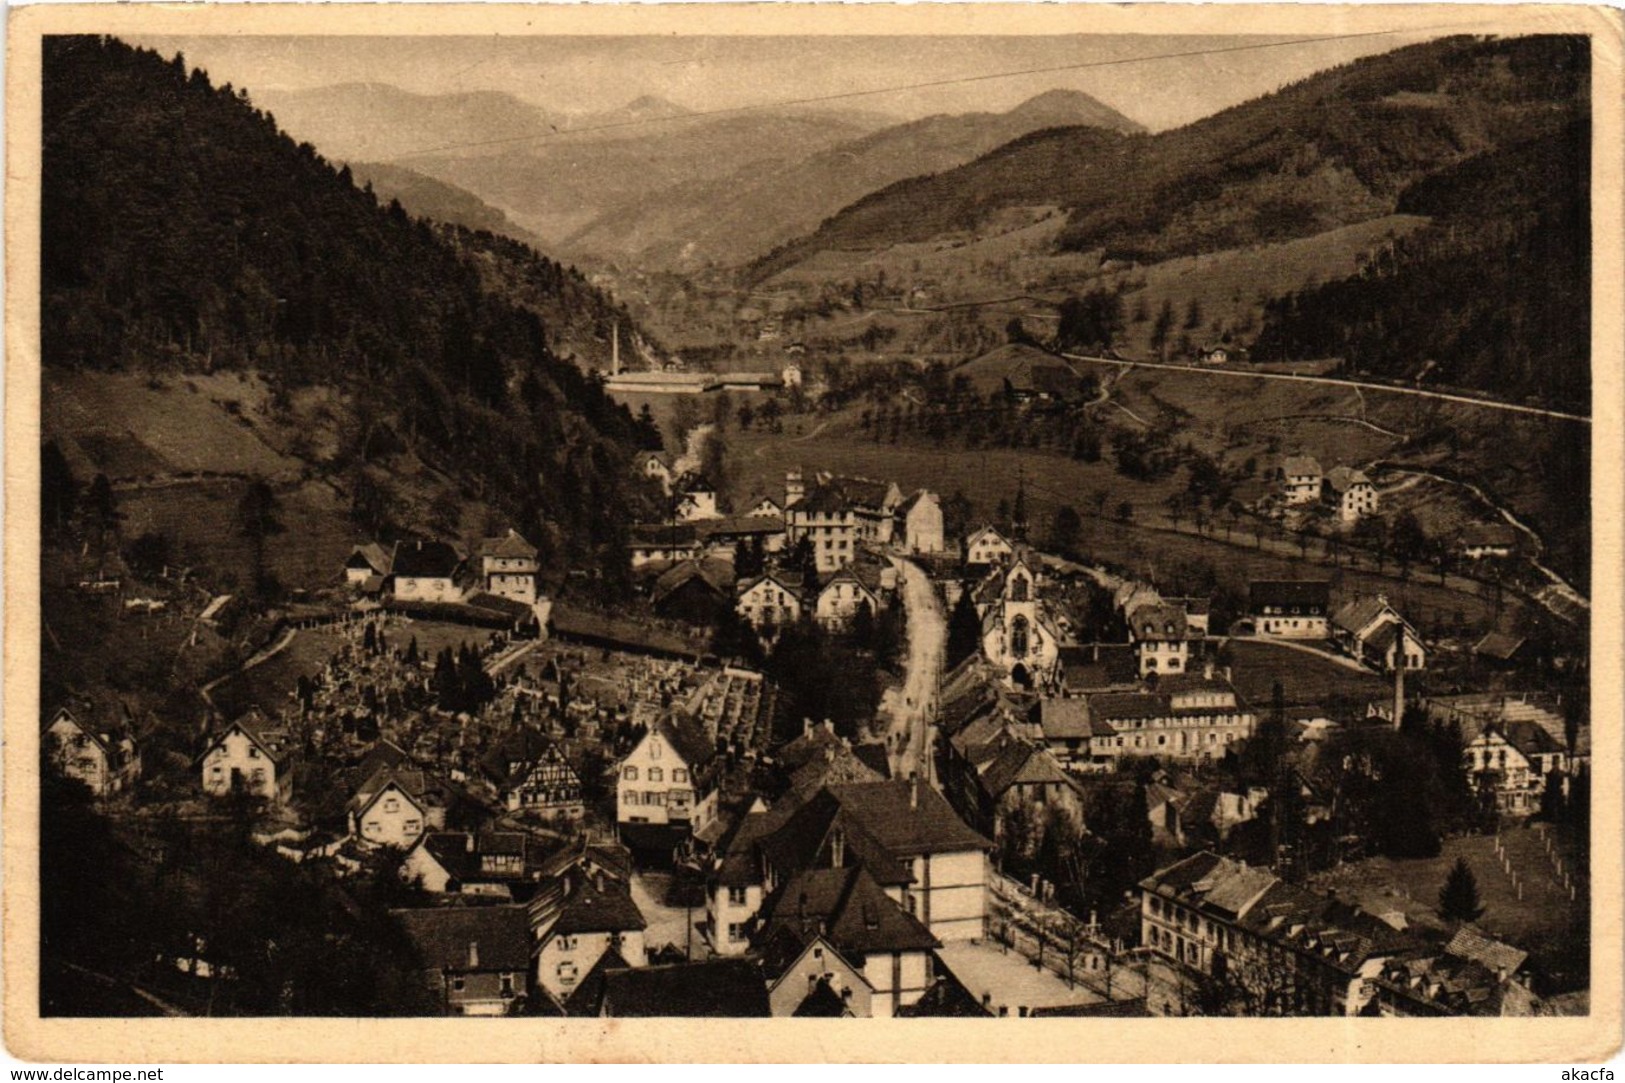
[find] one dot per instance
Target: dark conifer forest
(183, 232)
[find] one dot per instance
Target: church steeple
(1018, 514)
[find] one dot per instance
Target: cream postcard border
(1571, 1040)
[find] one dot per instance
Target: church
(1018, 636)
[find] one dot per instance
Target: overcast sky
(587, 74)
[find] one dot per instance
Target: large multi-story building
(1242, 941)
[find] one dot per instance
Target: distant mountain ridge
(734, 218)
(1335, 148)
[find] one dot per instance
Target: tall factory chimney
(1399, 676)
(615, 349)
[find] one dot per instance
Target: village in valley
(1016, 678)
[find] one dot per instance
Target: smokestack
(473, 954)
(615, 349)
(1399, 676)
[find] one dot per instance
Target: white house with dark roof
(908, 838)
(768, 601)
(367, 567)
(250, 757)
(1369, 630)
(598, 916)
(987, 546)
(667, 777)
(1301, 479)
(1290, 609)
(1350, 493)
(845, 593)
(107, 759)
(426, 571)
(508, 567)
(882, 956)
(1160, 633)
(394, 807)
(1512, 760)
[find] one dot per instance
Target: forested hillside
(183, 233)
(1339, 147)
(1494, 294)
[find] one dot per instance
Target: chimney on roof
(1207, 670)
(837, 852)
(468, 842)
(598, 881)
(1097, 652)
(914, 791)
(473, 954)
(987, 1000)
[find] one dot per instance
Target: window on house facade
(736, 931)
(656, 775)
(630, 774)
(391, 805)
(507, 986)
(253, 753)
(567, 973)
(736, 896)
(679, 775)
(457, 984)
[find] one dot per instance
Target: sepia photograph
(1087, 519)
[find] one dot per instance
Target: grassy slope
(180, 460)
(1148, 546)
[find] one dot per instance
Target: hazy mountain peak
(1074, 107)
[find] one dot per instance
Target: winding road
(927, 643)
(1333, 381)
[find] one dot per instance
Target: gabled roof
(1355, 615)
(273, 744)
(713, 575)
(1300, 465)
(1020, 763)
(870, 585)
(1157, 622)
(409, 783)
(1343, 478)
(814, 832)
(1065, 719)
(463, 939)
(523, 747)
(688, 739)
(849, 909)
(907, 817)
(1474, 535)
(1498, 957)
(834, 766)
(741, 525)
(425, 560)
(1099, 666)
(105, 738)
(1528, 738)
(1500, 646)
(918, 497)
(783, 582)
(663, 535)
(599, 907)
(370, 555)
(731, 988)
(1303, 593)
(511, 545)
(981, 532)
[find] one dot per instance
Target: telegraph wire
(960, 80)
